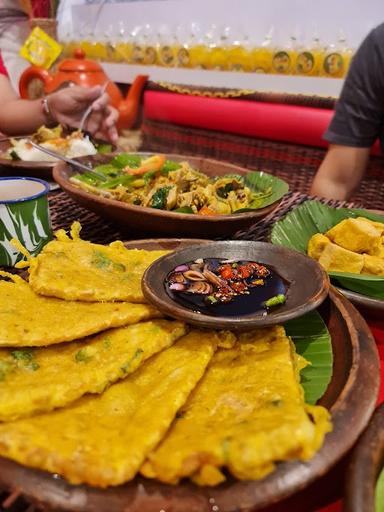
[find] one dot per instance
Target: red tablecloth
(377, 328)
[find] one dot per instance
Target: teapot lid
(79, 63)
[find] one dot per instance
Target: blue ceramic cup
(24, 215)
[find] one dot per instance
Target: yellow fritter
(103, 440)
(74, 269)
(246, 414)
(373, 265)
(316, 245)
(338, 259)
(356, 235)
(28, 319)
(41, 379)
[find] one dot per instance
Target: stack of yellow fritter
(138, 393)
(353, 245)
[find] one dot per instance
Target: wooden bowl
(350, 397)
(307, 283)
(151, 220)
(368, 306)
(366, 465)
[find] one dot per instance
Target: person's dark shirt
(359, 115)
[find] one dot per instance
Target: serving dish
(22, 167)
(307, 284)
(297, 227)
(365, 467)
(350, 397)
(150, 220)
(37, 169)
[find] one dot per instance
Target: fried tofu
(378, 225)
(316, 245)
(355, 235)
(373, 265)
(340, 260)
(74, 269)
(30, 320)
(41, 379)
(246, 414)
(103, 440)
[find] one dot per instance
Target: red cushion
(272, 121)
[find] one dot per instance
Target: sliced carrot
(153, 163)
(205, 210)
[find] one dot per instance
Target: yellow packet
(40, 49)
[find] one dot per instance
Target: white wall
(255, 17)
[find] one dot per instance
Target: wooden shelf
(318, 86)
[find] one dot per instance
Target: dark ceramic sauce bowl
(307, 284)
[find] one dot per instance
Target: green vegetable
(125, 159)
(22, 355)
(211, 299)
(107, 169)
(5, 369)
(379, 493)
(224, 191)
(148, 176)
(137, 355)
(14, 155)
(104, 148)
(26, 356)
(184, 209)
(124, 180)
(169, 166)
(102, 261)
(159, 198)
(81, 356)
(275, 301)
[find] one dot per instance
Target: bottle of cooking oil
(217, 43)
(167, 47)
(199, 51)
(121, 47)
(284, 57)
(337, 58)
(262, 54)
(182, 47)
(240, 55)
(309, 58)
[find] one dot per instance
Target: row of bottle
(316, 59)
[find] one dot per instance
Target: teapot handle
(31, 73)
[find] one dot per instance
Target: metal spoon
(89, 109)
(82, 167)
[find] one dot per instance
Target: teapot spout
(129, 108)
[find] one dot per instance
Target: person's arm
(66, 107)
(357, 122)
(340, 173)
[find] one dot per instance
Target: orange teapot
(81, 71)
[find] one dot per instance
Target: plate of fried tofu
(348, 244)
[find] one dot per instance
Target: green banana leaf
(272, 189)
(312, 341)
(298, 226)
(379, 493)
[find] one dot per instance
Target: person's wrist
(47, 111)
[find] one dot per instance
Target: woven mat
(64, 211)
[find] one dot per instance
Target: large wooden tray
(350, 397)
(365, 467)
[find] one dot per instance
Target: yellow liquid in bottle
(218, 58)
(240, 59)
(333, 64)
(283, 61)
(166, 55)
(100, 51)
(199, 56)
(262, 59)
(308, 62)
(123, 52)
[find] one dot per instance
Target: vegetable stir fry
(155, 182)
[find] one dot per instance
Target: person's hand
(67, 107)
